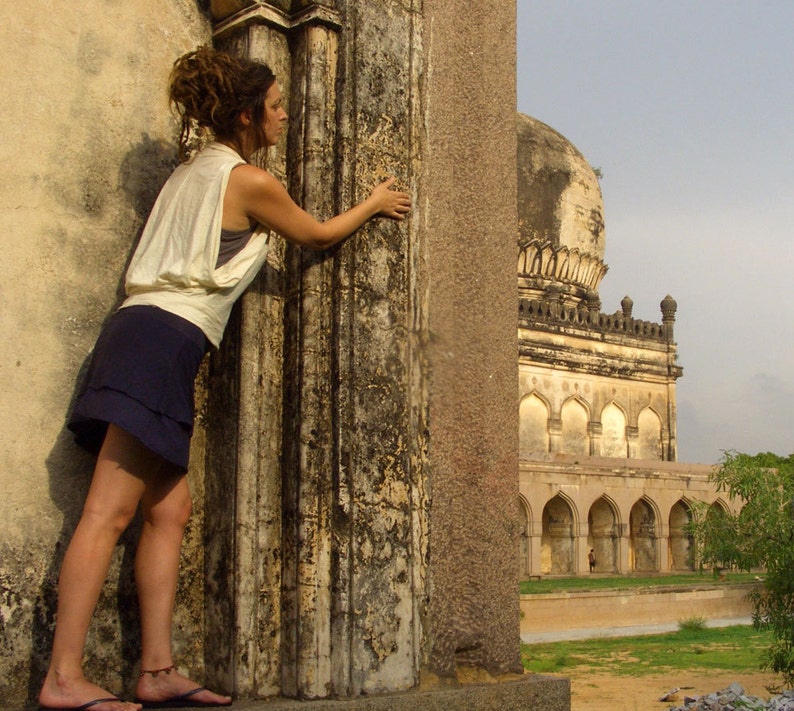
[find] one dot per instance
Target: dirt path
(600, 692)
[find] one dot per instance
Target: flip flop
(182, 701)
(80, 708)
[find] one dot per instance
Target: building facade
(597, 409)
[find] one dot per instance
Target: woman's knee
(179, 511)
(170, 507)
(111, 517)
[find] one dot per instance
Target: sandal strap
(190, 693)
(108, 700)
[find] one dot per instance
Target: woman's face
(274, 117)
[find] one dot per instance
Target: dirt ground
(599, 692)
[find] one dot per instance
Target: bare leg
(111, 503)
(166, 508)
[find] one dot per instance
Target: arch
(681, 543)
(613, 431)
(575, 417)
(649, 435)
(533, 425)
(719, 521)
(603, 535)
(643, 532)
(717, 508)
(525, 523)
(557, 537)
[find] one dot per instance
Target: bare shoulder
(250, 178)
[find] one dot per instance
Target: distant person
(591, 559)
(204, 242)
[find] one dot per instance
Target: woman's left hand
(391, 203)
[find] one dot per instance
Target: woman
(204, 242)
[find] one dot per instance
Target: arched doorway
(575, 418)
(642, 537)
(649, 435)
(603, 535)
(557, 539)
(681, 543)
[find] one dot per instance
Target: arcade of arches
(632, 514)
(610, 438)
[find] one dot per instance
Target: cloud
(747, 415)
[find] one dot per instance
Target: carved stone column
(340, 545)
(632, 441)
(380, 520)
(310, 449)
(244, 523)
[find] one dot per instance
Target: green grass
(733, 649)
(622, 582)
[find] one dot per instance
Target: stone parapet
(550, 314)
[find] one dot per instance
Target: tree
(760, 535)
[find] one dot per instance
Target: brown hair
(209, 90)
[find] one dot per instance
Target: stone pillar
(595, 431)
(344, 566)
(624, 546)
(329, 575)
(581, 549)
(468, 275)
(632, 441)
(555, 434)
(380, 531)
(244, 524)
(663, 548)
(536, 540)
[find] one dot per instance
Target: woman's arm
(255, 194)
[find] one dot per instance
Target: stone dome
(560, 216)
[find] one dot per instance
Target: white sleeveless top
(174, 265)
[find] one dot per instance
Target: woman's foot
(168, 685)
(59, 692)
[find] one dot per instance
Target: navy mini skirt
(142, 378)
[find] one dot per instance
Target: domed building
(597, 408)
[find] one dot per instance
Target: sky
(687, 108)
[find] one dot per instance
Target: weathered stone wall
(88, 139)
(362, 459)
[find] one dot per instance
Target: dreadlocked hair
(209, 89)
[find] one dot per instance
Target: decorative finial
(627, 305)
(669, 307)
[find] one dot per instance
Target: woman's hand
(390, 203)
(253, 193)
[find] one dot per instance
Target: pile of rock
(733, 698)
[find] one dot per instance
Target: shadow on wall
(204, 7)
(142, 172)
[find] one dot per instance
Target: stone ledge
(533, 692)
